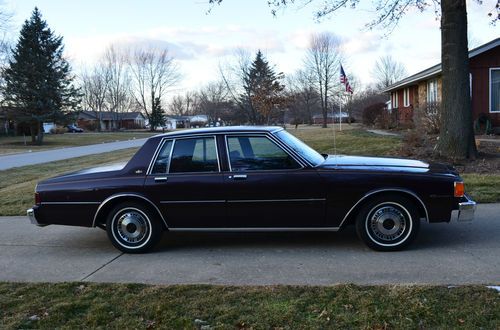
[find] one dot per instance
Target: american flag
(343, 80)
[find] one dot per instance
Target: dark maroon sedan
(251, 179)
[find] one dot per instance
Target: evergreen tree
(38, 80)
(157, 117)
(263, 90)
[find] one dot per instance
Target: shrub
(58, 130)
(428, 117)
(371, 112)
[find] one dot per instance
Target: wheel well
(351, 217)
(102, 212)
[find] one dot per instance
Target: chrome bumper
(33, 220)
(466, 209)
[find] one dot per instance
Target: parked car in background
(251, 179)
(74, 129)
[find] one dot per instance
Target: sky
(199, 40)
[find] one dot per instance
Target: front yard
(136, 306)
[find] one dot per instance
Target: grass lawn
(352, 140)
(484, 188)
(17, 185)
(118, 306)
(50, 141)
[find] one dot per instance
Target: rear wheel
(388, 223)
(133, 227)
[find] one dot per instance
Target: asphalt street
(39, 157)
(454, 253)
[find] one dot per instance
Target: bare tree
(153, 72)
(387, 71)
(303, 95)
(323, 59)
(119, 94)
(183, 105)
(213, 100)
(95, 86)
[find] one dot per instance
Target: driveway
(39, 157)
(455, 253)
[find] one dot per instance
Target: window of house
(194, 155)
(495, 90)
(253, 153)
(406, 97)
(394, 96)
(432, 91)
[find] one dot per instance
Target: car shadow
(346, 239)
(431, 236)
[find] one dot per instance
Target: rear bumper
(466, 209)
(32, 216)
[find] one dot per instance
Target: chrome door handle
(239, 177)
(161, 179)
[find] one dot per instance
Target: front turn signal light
(459, 189)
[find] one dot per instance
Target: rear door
(185, 180)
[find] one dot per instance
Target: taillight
(38, 200)
(459, 189)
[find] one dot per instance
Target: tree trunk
(456, 139)
(39, 138)
(33, 132)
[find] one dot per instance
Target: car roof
(222, 130)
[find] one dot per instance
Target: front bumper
(466, 209)
(32, 217)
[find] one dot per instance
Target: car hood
(384, 163)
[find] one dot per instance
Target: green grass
(51, 141)
(354, 141)
(17, 185)
(117, 306)
(484, 188)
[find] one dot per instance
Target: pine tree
(38, 80)
(263, 90)
(157, 117)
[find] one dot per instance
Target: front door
(267, 188)
(185, 180)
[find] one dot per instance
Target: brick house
(423, 90)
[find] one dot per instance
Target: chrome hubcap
(387, 223)
(132, 227)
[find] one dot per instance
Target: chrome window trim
(110, 198)
(305, 162)
(155, 154)
(385, 190)
(257, 229)
(174, 140)
(266, 135)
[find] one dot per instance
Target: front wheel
(133, 227)
(388, 223)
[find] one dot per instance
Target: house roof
(108, 115)
(436, 69)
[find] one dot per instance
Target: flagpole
(340, 113)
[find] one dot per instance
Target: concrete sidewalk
(454, 253)
(39, 157)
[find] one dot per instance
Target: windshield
(300, 148)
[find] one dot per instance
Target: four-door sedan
(251, 179)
